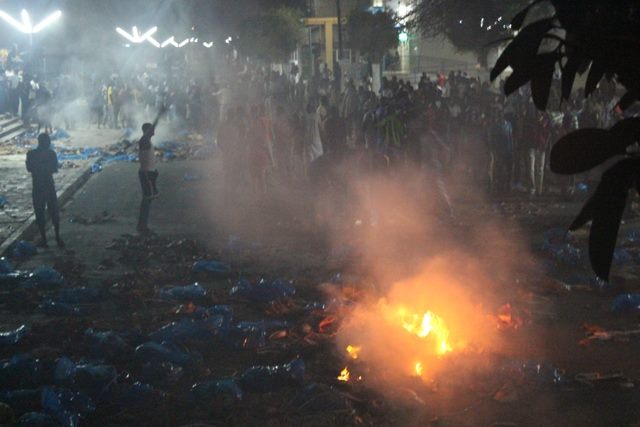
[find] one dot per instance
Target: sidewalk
(16, 217)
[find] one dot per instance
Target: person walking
(42, 163)
(148, 174)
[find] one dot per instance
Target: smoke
(440, 258)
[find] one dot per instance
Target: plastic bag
(22, 400)
(57, 308)
(107, 344)
(77, 295)
(317, 398)
(189, 329)
(268, 378)
(184, 293)
(43, 277)
(164, 352)
(211, 267)
(12, 337)
(37, 419)
(226, 311)
(263, 291)
(162, 373)
(96, 167)
(22, 250)
(626, 303)
(66, 406)
(5, 266)
(248, 338)
(24, 371)
(226, 391)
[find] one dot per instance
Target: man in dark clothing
(42, 163)
(148, 173)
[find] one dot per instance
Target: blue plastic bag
(96, 167)
(164, 352)
(227, 391)
(37, 419)
(184, 293)
(77, 295)
(264, 291)
(248, 338)
(57, 308)
(5, 266)
(269, 378)
(12, 337)
(626, 303)
(23, 371)
(226, 311)
(22, 250)
(211, 267)
(66, 406)
(22, 400)
(189, 329)
(162, 373)
(43, 277)
(107, 344)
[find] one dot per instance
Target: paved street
(15, 186)
(281, 243)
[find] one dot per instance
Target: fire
(353, 351)
(344, 375)
(419, 369)
(429, 324)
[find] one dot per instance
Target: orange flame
(419, 369)
(429, 324)
(344, 375)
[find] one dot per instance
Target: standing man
(148, 173)
(42, 163)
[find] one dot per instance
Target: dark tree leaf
(628, 99)
(542, 79)
(522, 51)
(516, 80)
(569, 74)
(596, 73)
(607, 213)
(581, 151)
(585, 215)
(625, 133)
(518, 20)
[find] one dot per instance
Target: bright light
(403, 37)
(208, 45)
(135, 36)
(482, 23)
(183, 43)
(26, 26)
(47, 21)
(26, 20)
(153, 41)
(169, 41)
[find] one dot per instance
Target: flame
(419, 369)
(429, 324)
(353, 351)
(344, 375)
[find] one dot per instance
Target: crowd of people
(279, 126)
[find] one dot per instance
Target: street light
(26, 25)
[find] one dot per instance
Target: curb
(29, 228)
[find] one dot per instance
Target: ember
(344, 375)
(353, 351)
